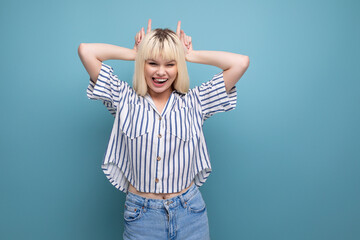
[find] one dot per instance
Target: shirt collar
(170, 102)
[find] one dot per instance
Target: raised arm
(93, 54)
(234, 65)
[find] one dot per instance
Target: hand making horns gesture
(141, 34)
(186, 40)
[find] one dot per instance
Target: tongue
(159, 81)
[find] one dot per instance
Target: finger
(137, 37)
(178, 28)
(142, 33)
(182, 36)
(186, 40)
(149, 26)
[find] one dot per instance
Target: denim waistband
(159, 203)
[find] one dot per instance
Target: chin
(160, 90)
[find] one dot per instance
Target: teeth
(160, 80)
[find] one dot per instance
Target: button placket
(159, 151)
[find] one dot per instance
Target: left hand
(186, 40)
(141, 34)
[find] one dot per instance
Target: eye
(171, 64)
(152, 63)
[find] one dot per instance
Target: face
(160, 75)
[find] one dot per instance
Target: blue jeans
(180, 217)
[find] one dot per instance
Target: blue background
(285, 162)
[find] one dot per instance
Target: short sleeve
(108, 88)
(213, 97)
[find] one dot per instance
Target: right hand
(141, 34)
(185, 39)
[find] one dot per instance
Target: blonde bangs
(160, 49)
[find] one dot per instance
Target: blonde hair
(160, 43)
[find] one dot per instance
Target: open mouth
(159, 81)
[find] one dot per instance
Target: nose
(161, 71)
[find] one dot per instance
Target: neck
(160, 97)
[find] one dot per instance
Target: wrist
(132, 54)
(126, 54)
(191, 56)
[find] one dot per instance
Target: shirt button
(160, 118)
(158, 158)
(157, 180)
(159, 136)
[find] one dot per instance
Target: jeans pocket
(196, 204)
(132, 212)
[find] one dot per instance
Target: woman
(157, 152)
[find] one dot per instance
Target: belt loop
(183, 201)
(145, 204)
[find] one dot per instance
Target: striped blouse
(158, 152)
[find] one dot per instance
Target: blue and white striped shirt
(158, 152)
